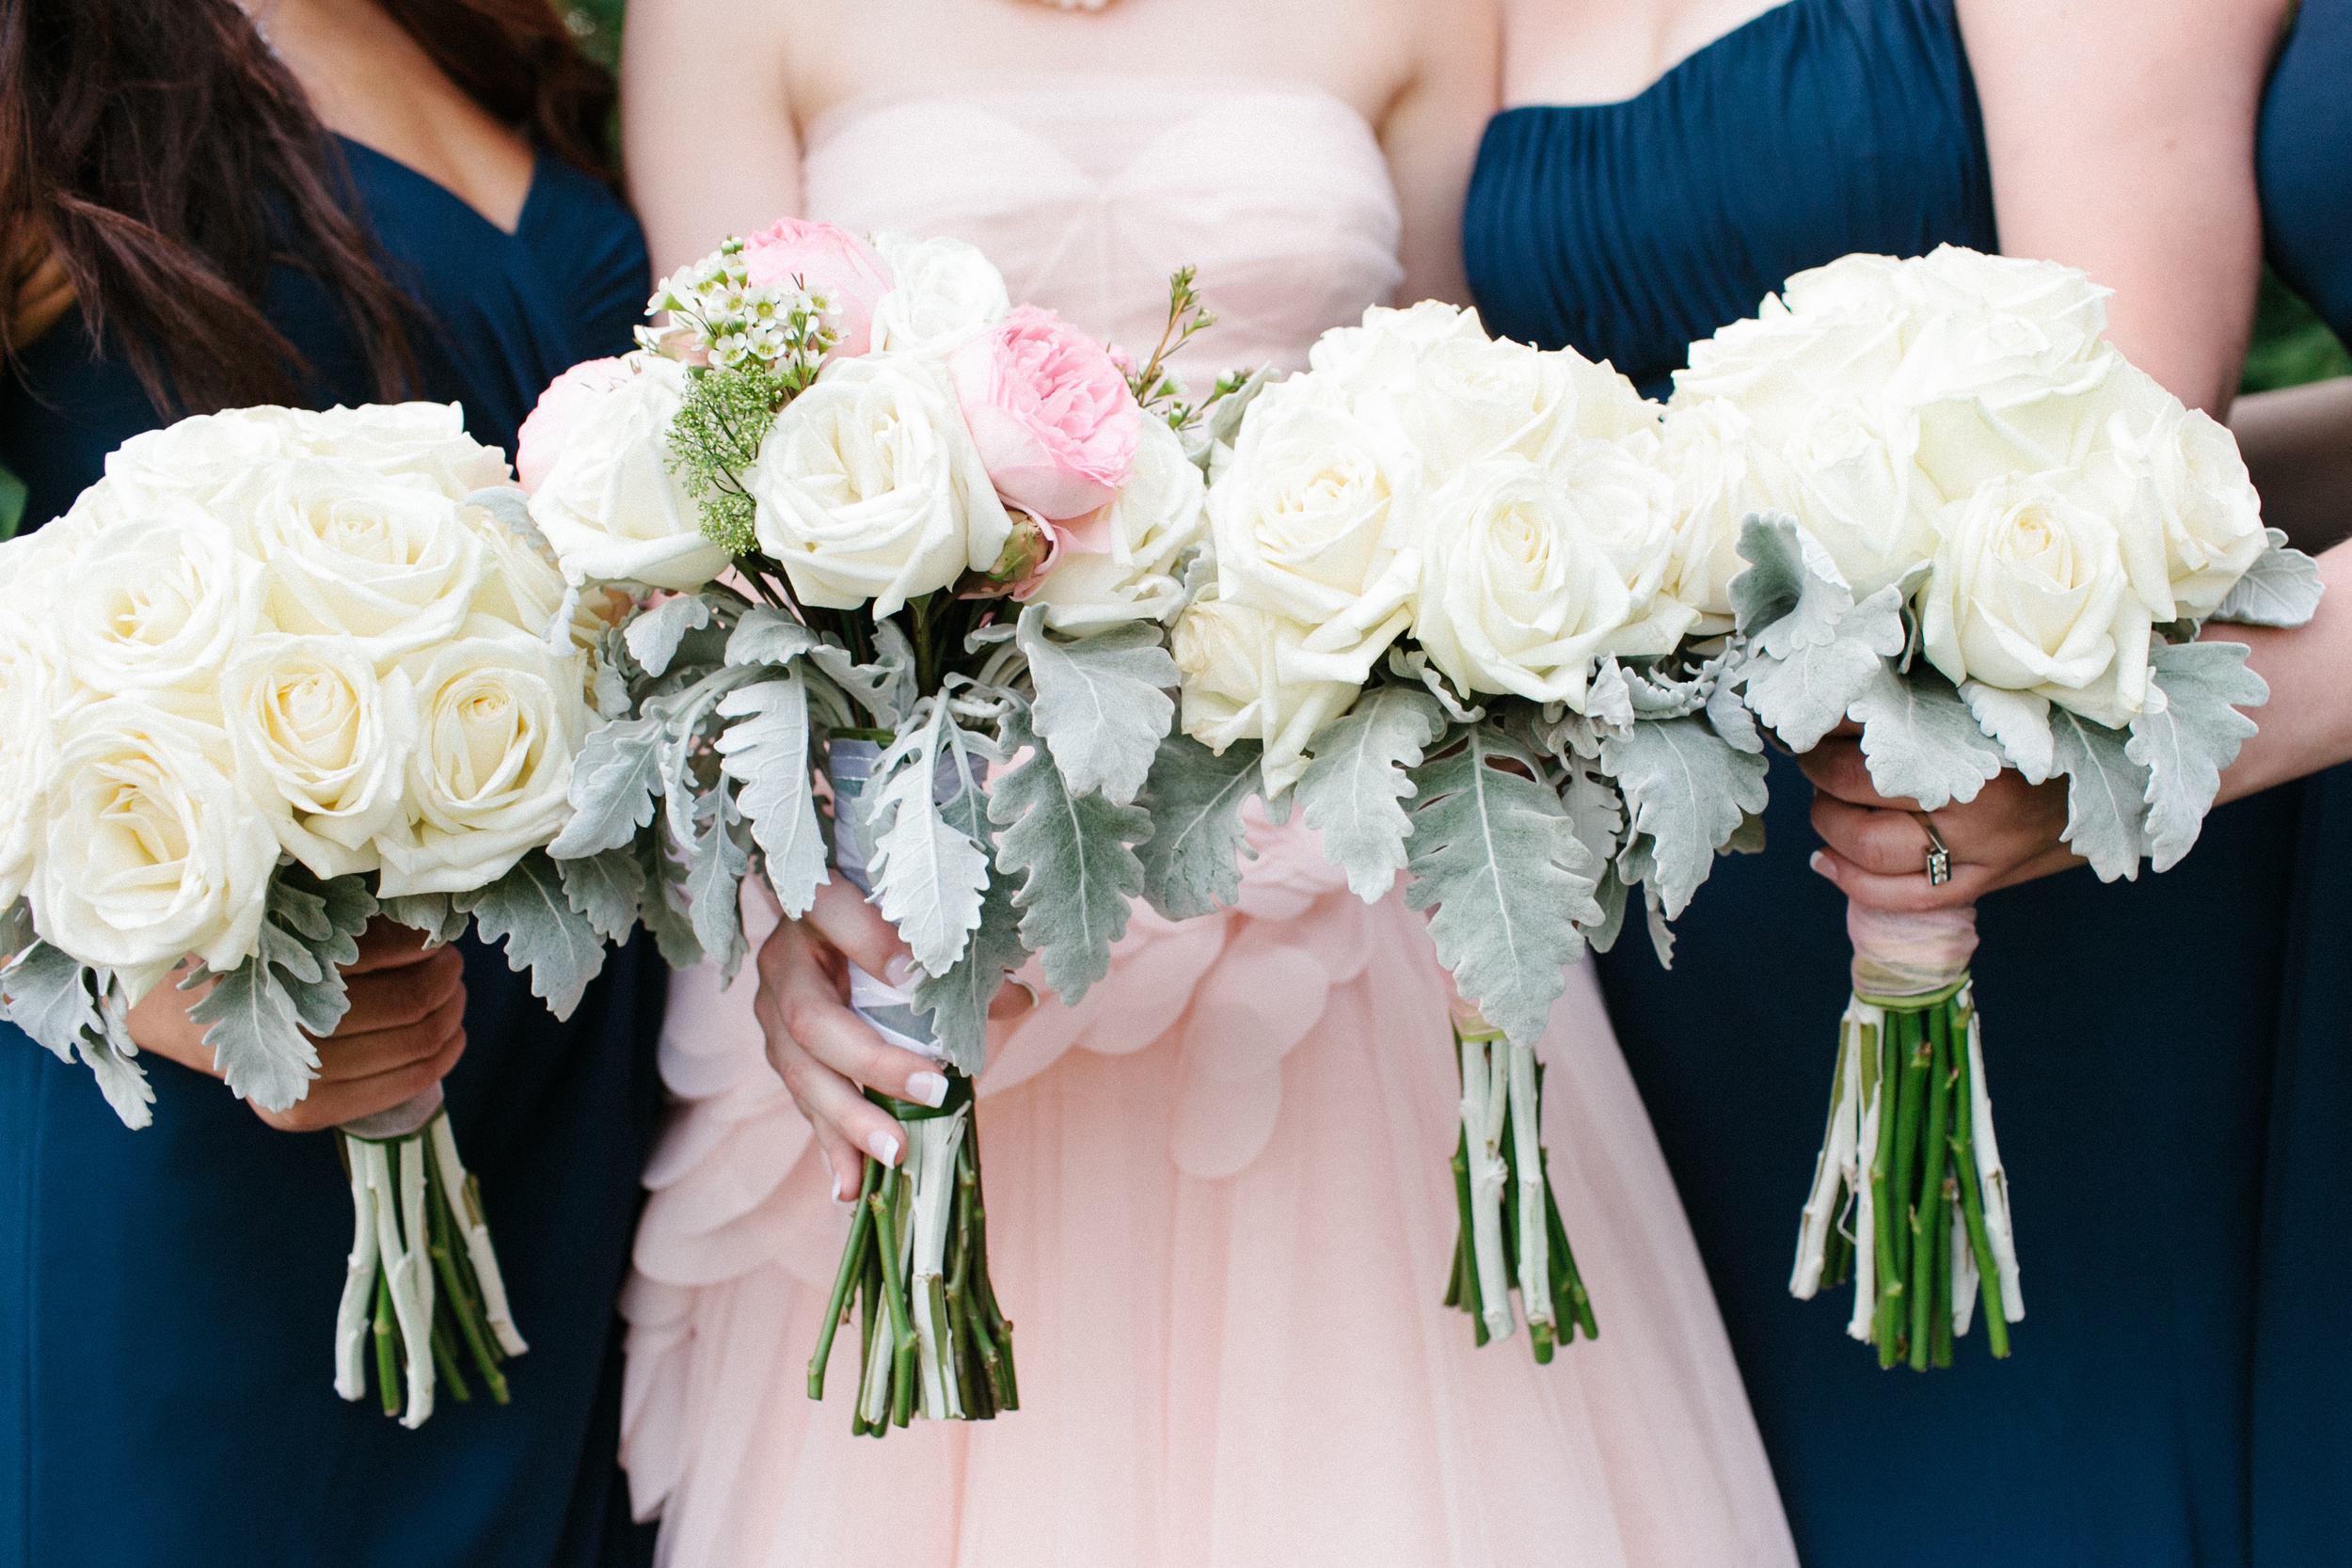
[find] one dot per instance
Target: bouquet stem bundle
(1511, 1232)
(1909, 1198)
(422, 1285)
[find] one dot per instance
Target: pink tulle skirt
(1221, 1217)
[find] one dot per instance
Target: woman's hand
(405, 1030)
(823, 1051)
(1878, 850)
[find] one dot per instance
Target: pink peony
(825, 260)
(560, 408)
(1050, 413)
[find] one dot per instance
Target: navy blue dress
(2133, 1030)
(167, 1296)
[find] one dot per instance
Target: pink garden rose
(1050, 413)
(829, 260)
(561, 406)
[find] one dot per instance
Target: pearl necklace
(1073, 5)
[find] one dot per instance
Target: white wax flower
(310, 725)
(610, 504)
(869, 487)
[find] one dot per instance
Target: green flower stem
(1883, 1192)
(461, 1294)
(885, 1204)
(387, 1358)
(852, 1256)
(444, 1357)
(1508, 1230)
(1927, 1241)
(1568, 1285)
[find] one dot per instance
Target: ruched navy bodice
(1628, 229)
(167, 1296)
(2140, 1073)
(2305, 161)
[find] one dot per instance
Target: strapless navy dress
(2138, 1034)
(167, 1296)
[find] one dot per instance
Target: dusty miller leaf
(1687, 789)
(527, 910)
(1352, 792)
(1192, 860)
(2107, 795)
(766, 749)
(768, 636)
(2019, 721)
(1075, 856)
(2280, 589)
(1099, 705)
(653, 634)
(613, 789)
(1593, 806)
(884, 689)
(958, 1001)
(1921, 741)
(1496, 855)
(2197, 733)
(607, 887)
(928, 875)
(663, 908)
(52, 997)
(715, 865)
(1803, 695)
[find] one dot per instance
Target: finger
(388, 946)
(844, 1120)
(1887, 843)
(809, 1008)
(332, 1104)
(1903, 895)
(350, 1058)
(859, 932)
(389, 999)
(1838, 767)
(1012, 999)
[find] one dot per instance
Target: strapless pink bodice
(1087, 194)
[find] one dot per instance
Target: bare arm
(706, 126)
(2298, 443)
(1431, 135)
(2122, 138)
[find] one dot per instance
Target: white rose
(521, 587)
(1474, 398)
(194, 459)
(1626, 503)
(1721, 476)
(1229, 660)
(151, 850)
(1851, 475)
(1314, 522)
(426, 440)
(1384, 354)
(35, 696)
(610, 505)
(2028, 593)
(311, 724)
(1119, 563)
(869, 487)
(1519, 594)
(1779, 366)
(2063, 302)
(352, 552)
(155, 602)
(945, 290)
(2173, 484)
(1856, 286)
(500, 719)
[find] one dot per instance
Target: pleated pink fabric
(1220, 1209)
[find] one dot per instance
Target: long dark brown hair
(170, 158)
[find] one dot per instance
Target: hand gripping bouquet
(277, 674)
(1944, 507)
(890, 530)
(1446, 618)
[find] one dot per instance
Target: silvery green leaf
(527, 910)
(1773, 580)
(715, 865)
(766, 749)
(691, 718)
(16, 931)
(1687, 789)
(1594, 808)
(928, 875)
(2107, 795)
(2019, 720)
(653, 634)
(613, 784)
(1730, 717)
(768, 636)
(257, 1040)
(1608, 700)
(1921, 741)
(958, 1001)
(1076, 852)
(2280, 589)
(1661, 936)
(1351, 792)
(1655, 695)
(1496, 855)
(1601, 935)
(663, 909)
(52, 997)
(326, 918)
(429, 912)
(1100, 703)
(1804, 695)
(1637, 863)
(2186, 742)
(1747, 838)
(884, 689)
(111, 1055)
(1192, 860)
(1411, 664)
(607, 887)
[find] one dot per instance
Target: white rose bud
(1315, 523)
(151, 849)
(1851, 476)
(352, 552)
(1229, 658)
(311, 724)
(1519, 594)
(610, 505)
(945, 290)
(1721, 476)
(157, 602)
(500, 720)
(2028, 593)
(1118, 565)
(869, 487)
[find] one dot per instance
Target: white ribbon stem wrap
(411, 1311)
(353, 1312)
(1995, 1181)
(1527, 1160)
(476, 1232)
(1485, 1095)
(930, 1168)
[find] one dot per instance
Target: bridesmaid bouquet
(889, 528)
(278, 674)
(1972, 528)
(1447, 615)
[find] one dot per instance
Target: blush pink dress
(1221, 1215)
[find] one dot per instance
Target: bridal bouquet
(1450, 615)
(887, 528)
(1975, 530)
(277, 674)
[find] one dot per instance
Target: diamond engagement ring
(1939, 855)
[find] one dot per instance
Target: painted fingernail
(931, 1088)
(900, 971)
(833, 1177)
(1820, 864)
(882, 1147)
